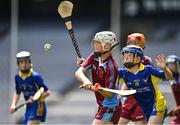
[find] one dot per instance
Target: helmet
(134, 49)
(173, 59)
(138, 37)
(105, 37)
(23, 55)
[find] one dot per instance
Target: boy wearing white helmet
(104, 73)
(28, 82)
(173, 63)
(143, 78)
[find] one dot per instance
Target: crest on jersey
(136, 82)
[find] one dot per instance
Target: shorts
(131, 110)
(35, 111)
(109, 114)
(117, 114)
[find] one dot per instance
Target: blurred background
(29, 24)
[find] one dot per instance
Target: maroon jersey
(176, 92)
(176, 88)
(105, 73)
(147, 60)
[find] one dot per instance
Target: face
(173, 67)
(24, 64)
(99, 48)
(137, 43)
(130, 57)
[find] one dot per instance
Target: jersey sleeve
(40, 82)
(121, 73)
(157, 72)
(89, 61)
(17, 87)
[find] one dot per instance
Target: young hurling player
(104, 73)
(173, 63)
(27, 81)
(131, 110)
(143, 78)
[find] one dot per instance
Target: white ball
(47, 46)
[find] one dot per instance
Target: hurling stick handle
(18, 107)
(74, 41)
(81, 86)
(68, 23)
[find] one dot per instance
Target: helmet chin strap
(25, 71)
(130, 64)
(99, 53)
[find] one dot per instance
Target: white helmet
(105, 37)
(23, 54)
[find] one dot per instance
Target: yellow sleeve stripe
(160, 100)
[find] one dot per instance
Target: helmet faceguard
(136, 50)
(105, 38)
(173, 59)
(137, 39)
(173, 63)
(133, 49)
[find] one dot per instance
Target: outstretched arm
(160, 62)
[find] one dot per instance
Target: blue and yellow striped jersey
(145, 83)
(29, 83)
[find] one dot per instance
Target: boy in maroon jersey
(173, 63)
(104, 73)
(131, 110)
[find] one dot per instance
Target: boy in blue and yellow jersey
(131, 110)
(143, 78)
(28, 82)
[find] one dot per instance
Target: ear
(107, 46)
(137, 59)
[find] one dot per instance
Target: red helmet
(137, 39)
